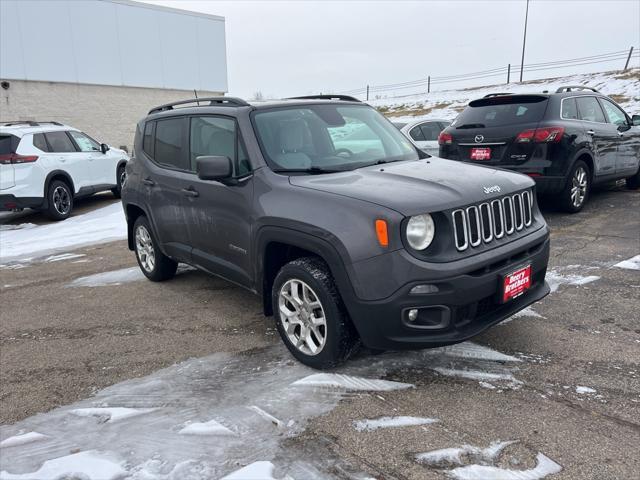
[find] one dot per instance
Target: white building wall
(112, 42)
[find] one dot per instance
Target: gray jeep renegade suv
(321, 206)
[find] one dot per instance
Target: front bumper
(463, 306)
(11, 202)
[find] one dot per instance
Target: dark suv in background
(349, 232)
(567, 141)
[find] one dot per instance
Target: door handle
(591, 132)
(149, 182)
(190, 192)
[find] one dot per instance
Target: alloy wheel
(62, 200)
(123, 177)
(303, 317)
(579, 187)
(144, 249)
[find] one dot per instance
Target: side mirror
(635, 120)
(213, 167)
(104, 148)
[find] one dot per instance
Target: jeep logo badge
(479, 138)
(493, 189)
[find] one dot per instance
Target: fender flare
(145, 211)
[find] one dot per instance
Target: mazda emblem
(479, 138)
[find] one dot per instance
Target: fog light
(422, 289)
(413, 314)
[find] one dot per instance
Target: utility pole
(524, 40)
(367, 93)
(626, 65)
(429, 84)
(508, 73)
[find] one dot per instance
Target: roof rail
(31, 123)
(212, 102)
(570, 88)
(497, 94)
(346, 98)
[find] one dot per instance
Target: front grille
(483, 223)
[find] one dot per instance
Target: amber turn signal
(381, 232)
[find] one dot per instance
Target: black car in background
(567, 141)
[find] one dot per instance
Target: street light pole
(524, 40)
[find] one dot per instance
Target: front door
(165, 179)
(102, 170)
(221, 214)
(628, 154)
(604, 136)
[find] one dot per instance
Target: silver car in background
(424, 133)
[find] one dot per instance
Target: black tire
(568, 202)
(340, 338)
(59, 200)
(155, 265)
(120, 176)
(633, 183)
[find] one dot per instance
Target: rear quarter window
(500, 111)
(8, 144)
(40, 142)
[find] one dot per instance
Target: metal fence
(623, 57)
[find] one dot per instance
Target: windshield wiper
(311, 170)
(471, 125)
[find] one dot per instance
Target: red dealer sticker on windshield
(516, 283)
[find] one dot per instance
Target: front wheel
(310, 315)
(121, 177)
(576, 192)
(155, 265)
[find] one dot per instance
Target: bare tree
(258, 96)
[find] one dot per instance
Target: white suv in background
(46, 165)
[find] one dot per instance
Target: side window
(169, 146)
(444, 125)
(217, 136)
(40, 142)
(430, 131)
(85, 143)
(614, 114)
(589, 109)
(147, 140)
(60, 142)
(416, 134)
(569, 109)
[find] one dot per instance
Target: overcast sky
(292, 48)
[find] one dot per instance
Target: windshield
(500, 111)
(327, 137)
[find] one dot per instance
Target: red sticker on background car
(516, 283)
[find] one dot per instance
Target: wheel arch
(57, 175)
(132, 213)
(587, 157)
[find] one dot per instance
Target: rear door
(425, 136)
(66, 157)
(604, 136)
(164, 181)
(487, 130)
(628, 154)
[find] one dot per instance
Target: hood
(422, 186)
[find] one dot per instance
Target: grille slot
(493, 220)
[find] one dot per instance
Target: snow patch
(477, 375)
(22, 226)
(455, 456)
(583, 390)
(89, 465)
(349, 382)
(115, 277)
(206, 428)
(473, 351)
(631, 264)
(111, 414)
(105, 224)
(525, 312)
(63, 256)
(544, 467)
(369, 425)
(254, 471)
(22, 439)
(266, 416)
(556, 279)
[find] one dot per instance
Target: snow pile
(632, 264)
(624, 87)
(206, 428)
(89, 465)
(105, 224)
(22, 439)
(391, 422)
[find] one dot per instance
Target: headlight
(420, 231)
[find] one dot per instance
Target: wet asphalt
(60, 344)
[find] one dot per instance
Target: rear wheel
(633, 183)
(576, 192)
(59, 200)
(310, 315)
(155, 265)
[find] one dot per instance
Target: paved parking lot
(561, 380)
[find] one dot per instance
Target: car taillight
(445, 138)
(14, 158)
(541, 135)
